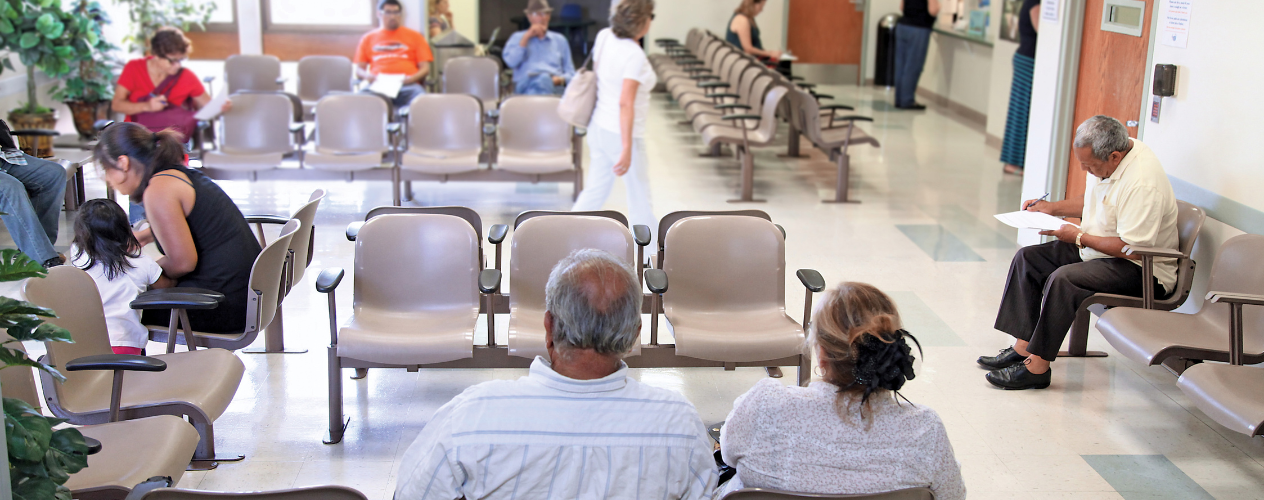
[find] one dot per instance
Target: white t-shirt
(121, 320)
(618, 59)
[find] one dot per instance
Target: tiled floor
(1107, 428)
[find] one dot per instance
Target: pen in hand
(1035, 201)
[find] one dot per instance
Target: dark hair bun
(883, 363)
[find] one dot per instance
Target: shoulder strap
(186, 181)
(169, 83)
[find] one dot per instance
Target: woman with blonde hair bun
(848, 433)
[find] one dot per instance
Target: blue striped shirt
(548, 436)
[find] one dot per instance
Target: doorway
(826, 38)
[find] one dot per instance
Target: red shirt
(398, 52)
(135, 78)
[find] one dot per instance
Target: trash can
(884, 58)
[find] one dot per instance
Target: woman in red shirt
(150, 86)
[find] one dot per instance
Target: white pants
(604, 149)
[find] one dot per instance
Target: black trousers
(1046, 285)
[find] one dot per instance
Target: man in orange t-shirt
(394, 50)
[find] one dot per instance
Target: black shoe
(54, 262)
(1008, 357)
(1018, 378)
(915, 107)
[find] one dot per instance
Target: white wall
(1040, 122)
(674, 19)
(465, 16)
(959, 70)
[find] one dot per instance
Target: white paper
(387, 85)
(1049, 10)
(212, 109)
(788, 57)
(1032, 220)
(1174, 31)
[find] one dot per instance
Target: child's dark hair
(102, 233)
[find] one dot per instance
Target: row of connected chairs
(421, 281)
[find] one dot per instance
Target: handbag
(178, 118)
(580, 97)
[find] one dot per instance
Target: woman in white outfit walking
(616, 132)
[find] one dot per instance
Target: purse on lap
(178, 118)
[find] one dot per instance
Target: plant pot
(86, 114)
(37, 146)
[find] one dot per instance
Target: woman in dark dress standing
(1014, 149)
(205, 240)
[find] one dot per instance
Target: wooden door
(1111, 80)
(825, 31)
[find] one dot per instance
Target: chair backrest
(768, 111)
(311, 493)
(72, 294)
(531, 214)
(1189, 222)
(416, 262)
(18, 382)
(725, 263)
(265, 292)
(295, 102)
(1238, 269)
(351, 123)
(463, 212)
(320, 75)
(672, 218)
(531, 123)
(247, 72)
(477, 76)
(258, 123)
(445, 122)
(804, 113)
(764, 494)
(301, 243)
(539, 243)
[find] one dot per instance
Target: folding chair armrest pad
(93, 445)
(656, 280)
(741, 117)
(712, 85)
(732, 106)
(704, 78)
(811, 279)
(796, 78)
(835, 106)
(725, 94)
(823, 96)
(187, 290)
(297, 127)
(581, 131)
(489, 129)
(353, 229)
(126, 362)
(1152, 251)
(807, 85)
(393, 128)
(689, 62)
(853, 118)
(156, 300)
(497, 233)
(267, 219)
(35, 132)
(403, 112)
(1235, 298)
(641, 234)
(489, 281)
(329, 279)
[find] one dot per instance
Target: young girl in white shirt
(105, 247)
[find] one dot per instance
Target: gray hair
(595, 301)
(629, 16)
(1104, 135)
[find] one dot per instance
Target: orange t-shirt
(398, 52)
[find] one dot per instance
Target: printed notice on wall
(1175, 28)
(1049, 10)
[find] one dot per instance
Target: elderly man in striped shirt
(577, 426)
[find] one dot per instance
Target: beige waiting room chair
(757, 85)
(832, 134)
(722, 103)
(1189, 222)
(1154, 337)
(353, 139)
(131, 451)
(301, 252)
(765, 494)
(257, 135)
(495, 234)
(319, 76)
(534, 141)
(197, 385)
(757, 128)
(1229, 394)
(726, 301)
(443, 136)
(266, 290)
(416, 300)
(476, 76)
(311, 493)
(252, 72)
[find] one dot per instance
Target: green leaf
(29, 40)
(65, 52)
(36, 488)
(90, 35)
(67, 454)
(27, 433)
(15, 265)
(14, 306)
(13, 357)
(6, 27)
(8, 64)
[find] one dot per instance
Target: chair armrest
(393, 128)
(186, 290)
(581, 131)
(689, 62)
(267, 219)
(724, 94)
(126, 362)
(403, 112)
(489, 281)
(497, 233)
(822, 96)
(704, 78)
(656, 280)
(489, 129)
(811, 279)
(100, 125)
(641, 234)
(353, 229)
(1235, 298)
(713, 85)
(93, 445)
(35, 132)
(208, 79)
(807, 85)
(155, 300)
(741, 117)
(732, 106)
(796, 78)
(696, 69)
(298, 127)
(836, 106)
(1152, 251)
(281, 80)
(493, 113)
(329, 279)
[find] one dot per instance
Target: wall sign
(1049, 10)
(1174, 31)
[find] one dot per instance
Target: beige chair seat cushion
(135, 450)
(534, 162)
(205, 378)
(1230, 395)
(735, 336)
(227, 160)
(704, 121)
(324, 160)
(834, 138)
(409, 338)
(729, 134)
(435, 161)
(1144, 335)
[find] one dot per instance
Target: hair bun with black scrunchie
(884, 363)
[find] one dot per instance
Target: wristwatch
(1077, 240)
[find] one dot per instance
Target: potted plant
(149, 15)
(48, 38)
(41, 458)
(89, 87)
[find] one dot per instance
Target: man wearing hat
(541, 59)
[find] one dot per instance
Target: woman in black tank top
(203, 236)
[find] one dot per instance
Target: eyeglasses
(651, 16)
(176, 61)
(392, 12)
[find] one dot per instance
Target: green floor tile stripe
(940, 244)
(1146, 477)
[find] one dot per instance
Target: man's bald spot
(602, 282)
